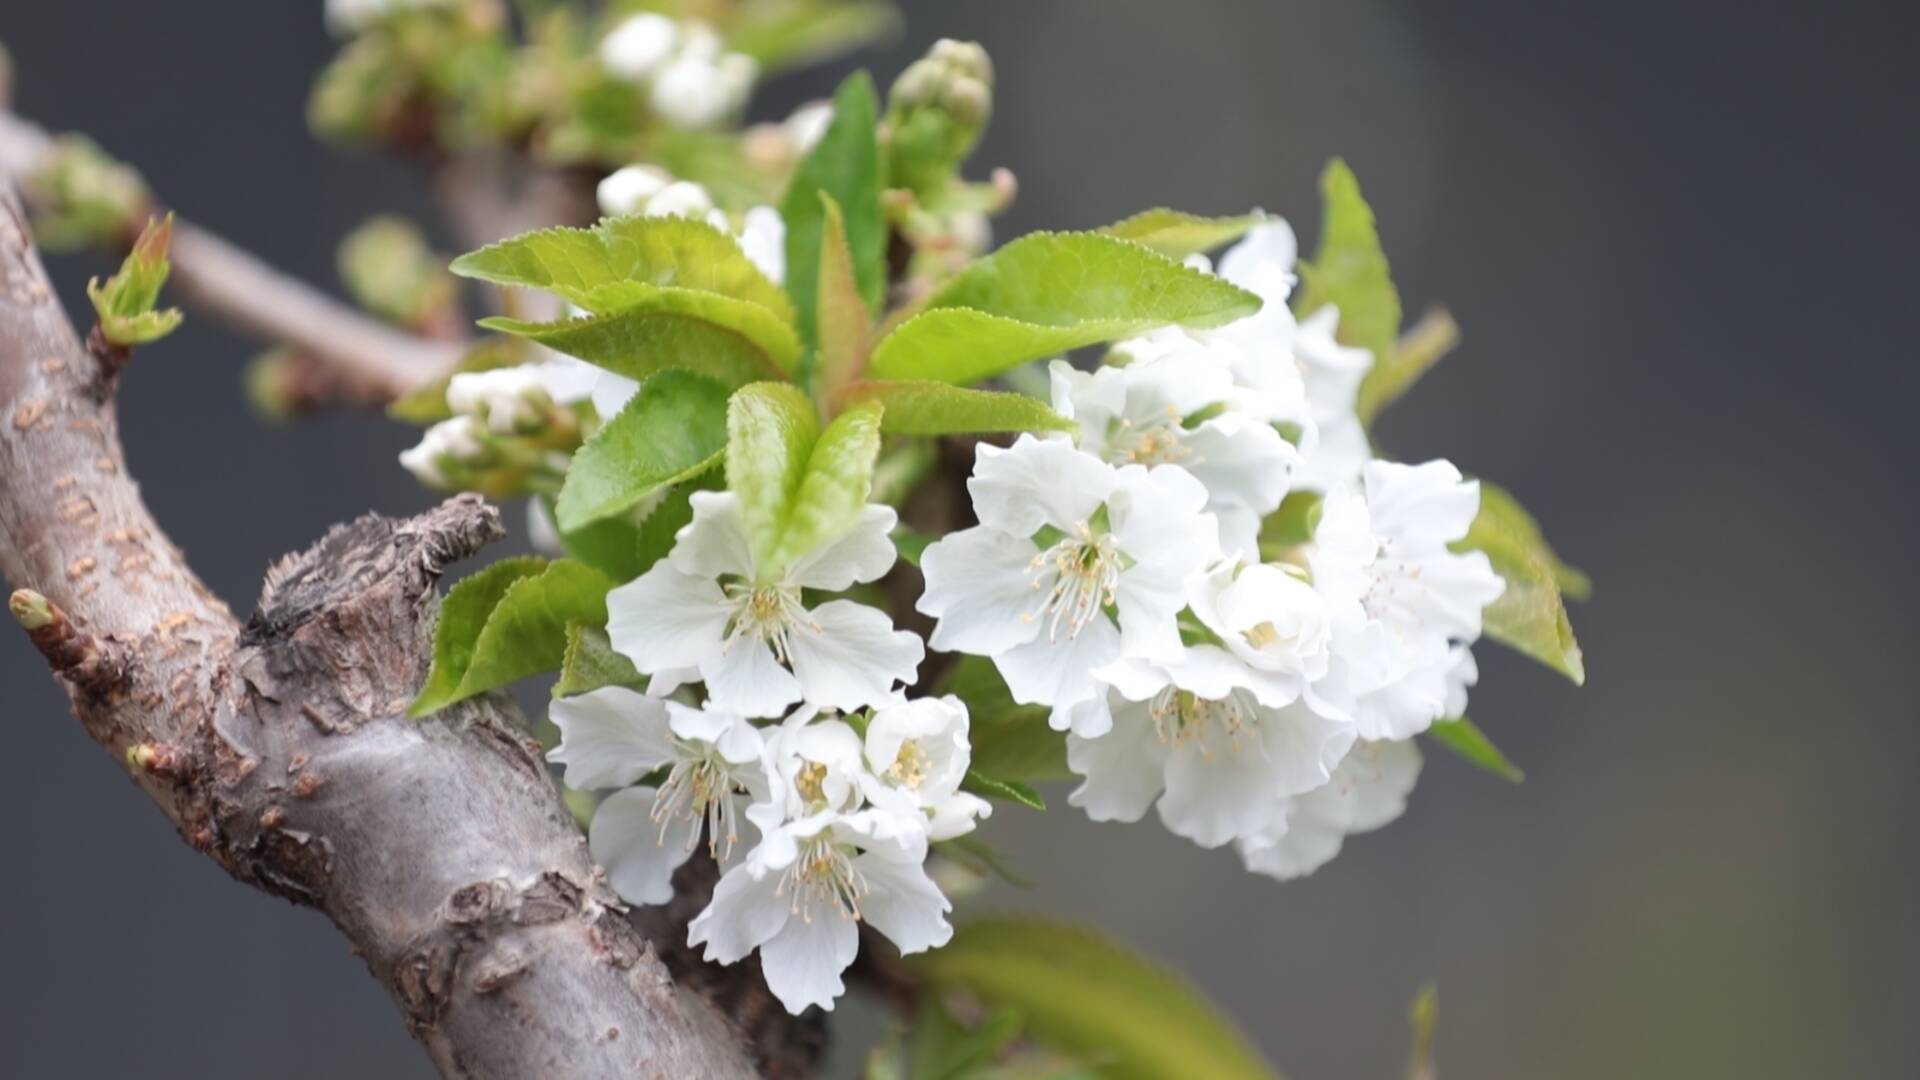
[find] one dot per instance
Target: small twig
(215, 277)
(71, 652)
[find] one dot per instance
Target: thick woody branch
(280, 748)
(372, 360)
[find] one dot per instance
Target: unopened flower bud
(627, 190)
(636, 49)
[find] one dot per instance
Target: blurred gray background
(1681, 244)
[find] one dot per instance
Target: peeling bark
(280, 748)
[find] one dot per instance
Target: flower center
(1078, 575)
(824, 873)
(1181, 719)
(701, 785)
(769, 613)
(1392, 577)
(910, 768)
(811, 783)
(1157, 442)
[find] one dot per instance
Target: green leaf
(610, 545)
(124, 305)
(506, 623)
(1047, 293)
(838, 478)
(1395, 372)
(992, 787)
(673, 429)
(982, 859)
(771, 429)
(1423, 1017)
(731, 340)
(1178, 235)
(901, 469)
(944, 1050)
(592, 267)
(658, 532)
(1530, 615)
(590, 663)
(846, 166)
(1010, 740)
(845, 324)
(1349, 270)
(1499, 505)
(919, 407)
(1463, 737)
(1091, 998)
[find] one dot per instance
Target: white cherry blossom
(639, 46)
(1141, 414)
(706, 612)
(1367, 791)
(1075, 565)
(917, 754)
(613, 737)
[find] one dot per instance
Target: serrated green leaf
(590, 663)
(1349, 270)
(1080, 993)
(590, 267)
(1463, 737)
(1010, 740)
(673, 429)
(658, 532)
(845, 165)
(506, 623)
(1047, 293)
(919, 407)
(1395, 372)
(771, 429)
(1177, 235)
(993, 787)
(1499, 505)
(838, 478)
(610, 545)
(731, 340)
(1530, 615)
(845, 324)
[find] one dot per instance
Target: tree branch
(281, 749)
(372, 361)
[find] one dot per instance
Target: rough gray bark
(280, 749)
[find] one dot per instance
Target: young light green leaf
(673, 429)
(1349, 270)
(993, 787)
(919, 407)
(1424, 1017)
(1499, 505)
(1047, 293)
(1393, 374)
(124, 305)
(1463, 737)
(845, 165)
(1530, 615)
(579, 265)
(506, 624)
(844, 322)
(771, 429)
(838, 478)
(1089, 997)
(1177, 235)
(945, 1050)
(590, 663)
(658, 330)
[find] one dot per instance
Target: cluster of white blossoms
(845, 792)
(691, 81)
(1264, 699)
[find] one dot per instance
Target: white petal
(745, 678)
(1300, 844)
(1430, 500)
(1059, 671)
(851, 655)
(804, 960)
(1381, 775)
(737, 740)
(744, 913)
(1037, 482)
(609, 737)
(1123, 769)
(715, 541)
(905, 904)
(666, 619)
(956, 815)
(1157, 521)
(639, 856)
(977, 586)
(864, 553)
(1267, 249)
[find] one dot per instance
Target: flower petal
(904, 903)
(804, 960)
(666, 619)
(639, 856)
(863, 553)
(610, 737)
(1059, 671)
(744, 677)
(1123, 769)
(978, 588)
(715, 541)
(745, 912)
(1037, 482)
(851, 655)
